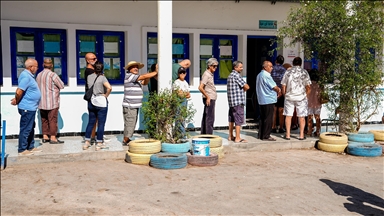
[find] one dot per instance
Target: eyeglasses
(214, 66)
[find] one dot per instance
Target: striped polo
(133, 91)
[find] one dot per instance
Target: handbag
(89, 93)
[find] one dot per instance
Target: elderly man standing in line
(49, 84)
(133, 96)
(236, 88)
(27, 99)
(266, 90)
(296, 88)
(208, 89)
(186, 63)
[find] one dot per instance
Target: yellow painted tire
(333, 138)
(379, 134)
(145, 146)
(214, 141)
(331, 147)
(219, 151)
(140, 159)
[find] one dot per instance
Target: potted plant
(164, 115)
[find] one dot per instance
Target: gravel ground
(292, 182)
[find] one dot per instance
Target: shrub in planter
(164, 112)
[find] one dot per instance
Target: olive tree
(347, 38)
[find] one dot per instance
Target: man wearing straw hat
(49, 84)
(133, 96)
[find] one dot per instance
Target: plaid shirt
(235, 92)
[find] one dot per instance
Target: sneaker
(281, 130)
(93, 141)
(106, 139)
(274, 130)
(26, 152)
(100, 146)
(34, 150)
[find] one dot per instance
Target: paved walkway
(71, 150)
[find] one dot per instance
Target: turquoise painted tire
(365, 150)
(176, 147)
(357, 143)
(168, 160)
(361, 137)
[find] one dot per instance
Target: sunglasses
(182, 72)
(93, 59)
(214, 66)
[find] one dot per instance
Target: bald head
(186, 63)
(31, 65)
(90, 58)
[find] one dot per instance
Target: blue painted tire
(357, 143)
(176, 147)
(168, 161)
(361, 137)
(365, 150)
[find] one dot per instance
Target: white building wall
(135, 18)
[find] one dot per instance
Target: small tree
(161, 113)
(347, 38)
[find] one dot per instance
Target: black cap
(181, 69)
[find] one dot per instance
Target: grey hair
(29, 62)
(211, 62)
(236, 63)
(265, 64)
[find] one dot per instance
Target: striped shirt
(235, 91)
(133, 92)
(49, 84)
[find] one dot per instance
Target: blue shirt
(264, 88)
(31, 97)
(277, 74)
(235, 91)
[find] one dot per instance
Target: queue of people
(281, 90)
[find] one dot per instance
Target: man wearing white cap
(133, 96)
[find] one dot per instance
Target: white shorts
(301, 108)
(314, 111)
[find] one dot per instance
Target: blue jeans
(27, 130)
(99, 114)
(179, 125)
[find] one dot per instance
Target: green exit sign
(267, 24)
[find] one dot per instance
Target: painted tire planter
(365, 150)
(168, 160)
(140, 159)
(356, 143)
(197, 160)
(145, 146)
(219, 151)
(331, 147)
(361, 137)
(214, 141)
(176, 147)
(382, 144)
(378, 134)
(333, 138)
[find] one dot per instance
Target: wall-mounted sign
(267, 24)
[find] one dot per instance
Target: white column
(164, 41)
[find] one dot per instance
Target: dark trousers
(266, 118)
(27, 130)
(49, 121)
(208, 117)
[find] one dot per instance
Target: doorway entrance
(259, 49)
